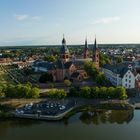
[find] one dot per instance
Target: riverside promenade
(57, 110)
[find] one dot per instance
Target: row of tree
(96, 92)
(28, 91)
(19, 91)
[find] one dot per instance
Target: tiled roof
(75, 74)
(68, 64)
(118, 69)
(59, 64)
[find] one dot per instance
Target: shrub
(56, 93)
(67, 83)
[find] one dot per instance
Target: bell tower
(64, 51)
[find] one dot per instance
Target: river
(90, 124)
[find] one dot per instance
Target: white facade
(112, 77)
(128, 80)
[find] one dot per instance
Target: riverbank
(10, 105)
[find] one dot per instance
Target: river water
(90, 124)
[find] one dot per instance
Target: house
(120, 75)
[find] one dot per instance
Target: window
(126, 75)
(125, 80)
(125, 85)
(129, 86)
(129, 81)
(63, 56)
(130, 77)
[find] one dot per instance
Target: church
(66, 68)
(69, 68)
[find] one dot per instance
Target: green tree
(102, 92)
(85, 92)
(74, 91)
(104, 59)
(56, 93)
(67, 83)
(90, 68)
(121, 92)
(11, 91)
(111, 92)
(118, 59)
(35, 92)
(101, 80)
(50, 58)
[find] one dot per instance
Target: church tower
(96, 52)
(86, 50)
(64, 51)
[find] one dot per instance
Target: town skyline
(44, 22)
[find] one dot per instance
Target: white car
(62, 107)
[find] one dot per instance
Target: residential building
(120, 75)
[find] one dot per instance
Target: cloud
(35, 18)
(25, 17)
(21, 17)
(106, 20)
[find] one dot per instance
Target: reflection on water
(74, 123)
(104, 116)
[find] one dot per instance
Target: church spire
(95, 47)
(96, 54)
(86, 44)
(86, 51)
(64, 51)
(63, 40)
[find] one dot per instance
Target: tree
(101, 80)
(11, 91)
(2, 95)
(90, 68)
(50, 58)
(111, 92)
(56, 93)
(85, 92)
(104, 59)
(35, 92)
(67, 83)
(102, 92)
(121, 92)
(94, 92)
(118, 59)
(74, 91)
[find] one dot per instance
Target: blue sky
(33, 22)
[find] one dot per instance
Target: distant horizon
(55, 45)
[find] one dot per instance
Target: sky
(43, 22)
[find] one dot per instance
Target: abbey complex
(68, 67)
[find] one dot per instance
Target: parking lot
(49, 108)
